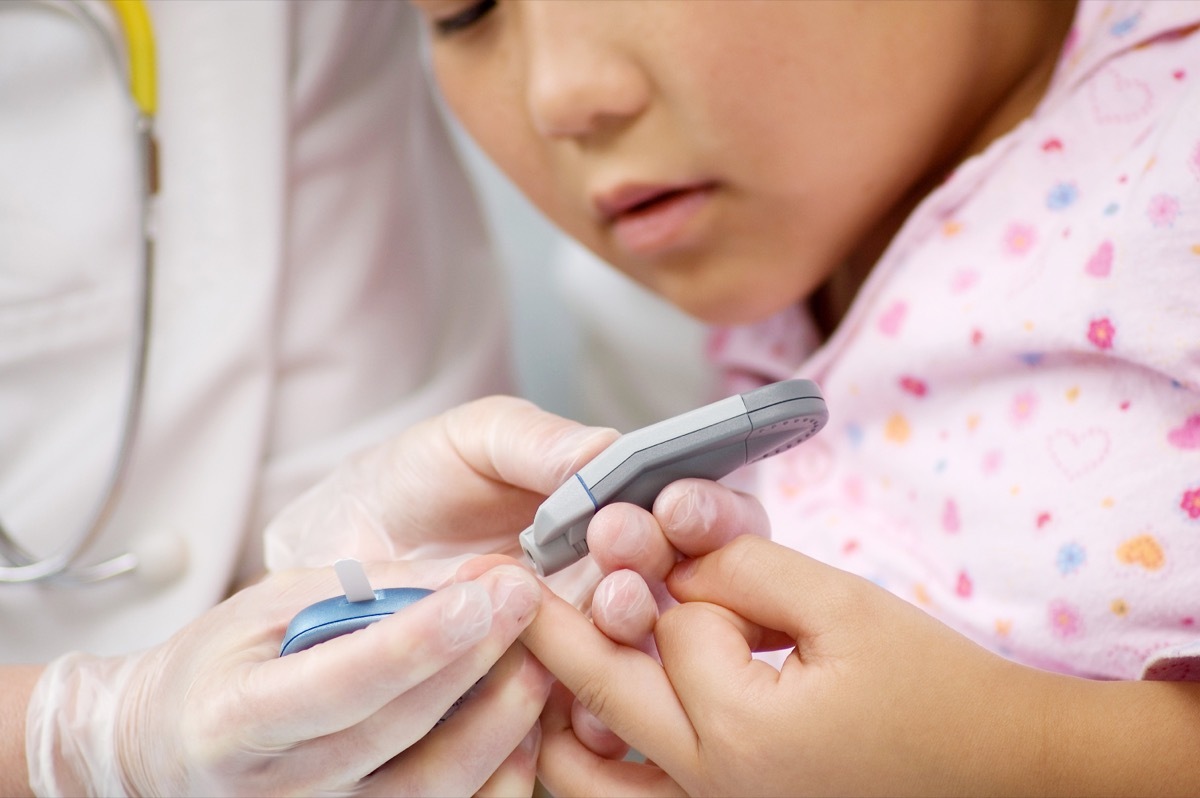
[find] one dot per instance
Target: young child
(977, 225)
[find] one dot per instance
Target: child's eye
(464, 19)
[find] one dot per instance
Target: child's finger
(567, 767)
(624, 687)
(770, 585)
(720, 685)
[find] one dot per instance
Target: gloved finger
(485, 466)
(690, 517)
(698, 516)
(362, 672)
(567, 767)
(624, 609)
(409, 716)
(516, 775)
(623, 536)
(575, 584)
(515, 443)
(459, 756)
(476, 566)
(467, 479)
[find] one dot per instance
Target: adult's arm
(16, 683)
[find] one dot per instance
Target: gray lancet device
(708, 442)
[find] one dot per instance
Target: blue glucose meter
(328, 619)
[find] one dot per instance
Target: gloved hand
(468, 480)
(471, 480)
(216, 711)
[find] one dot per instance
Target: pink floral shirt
(1014, 441)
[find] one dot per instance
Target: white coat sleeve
(323, 279)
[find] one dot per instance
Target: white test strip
(354, 580)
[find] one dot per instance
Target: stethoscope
(63, 566)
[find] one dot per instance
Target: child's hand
(637, 549)
(877, 698)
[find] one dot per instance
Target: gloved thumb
(516, 443)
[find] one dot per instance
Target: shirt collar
(1103, 29)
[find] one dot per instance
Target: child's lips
(652, 219)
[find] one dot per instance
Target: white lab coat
(324, 280)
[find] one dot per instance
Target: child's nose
(580, 81)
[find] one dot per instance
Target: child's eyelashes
(466, 17)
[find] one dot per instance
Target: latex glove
(468, 480)
(216, 711)
(689, 518)
(878, 697)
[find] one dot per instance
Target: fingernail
(514, 591)
(693, 512)
(684, 509)
(627, 545)
(582, 716)
(621, 597)
(545, 680)
(467, 616)
(532, 741)
(684, 570)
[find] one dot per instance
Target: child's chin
(727, 308)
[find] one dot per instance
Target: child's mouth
(653, 220)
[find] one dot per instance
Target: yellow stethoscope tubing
(61, 567)
(139, 47)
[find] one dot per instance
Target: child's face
(728, 155)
